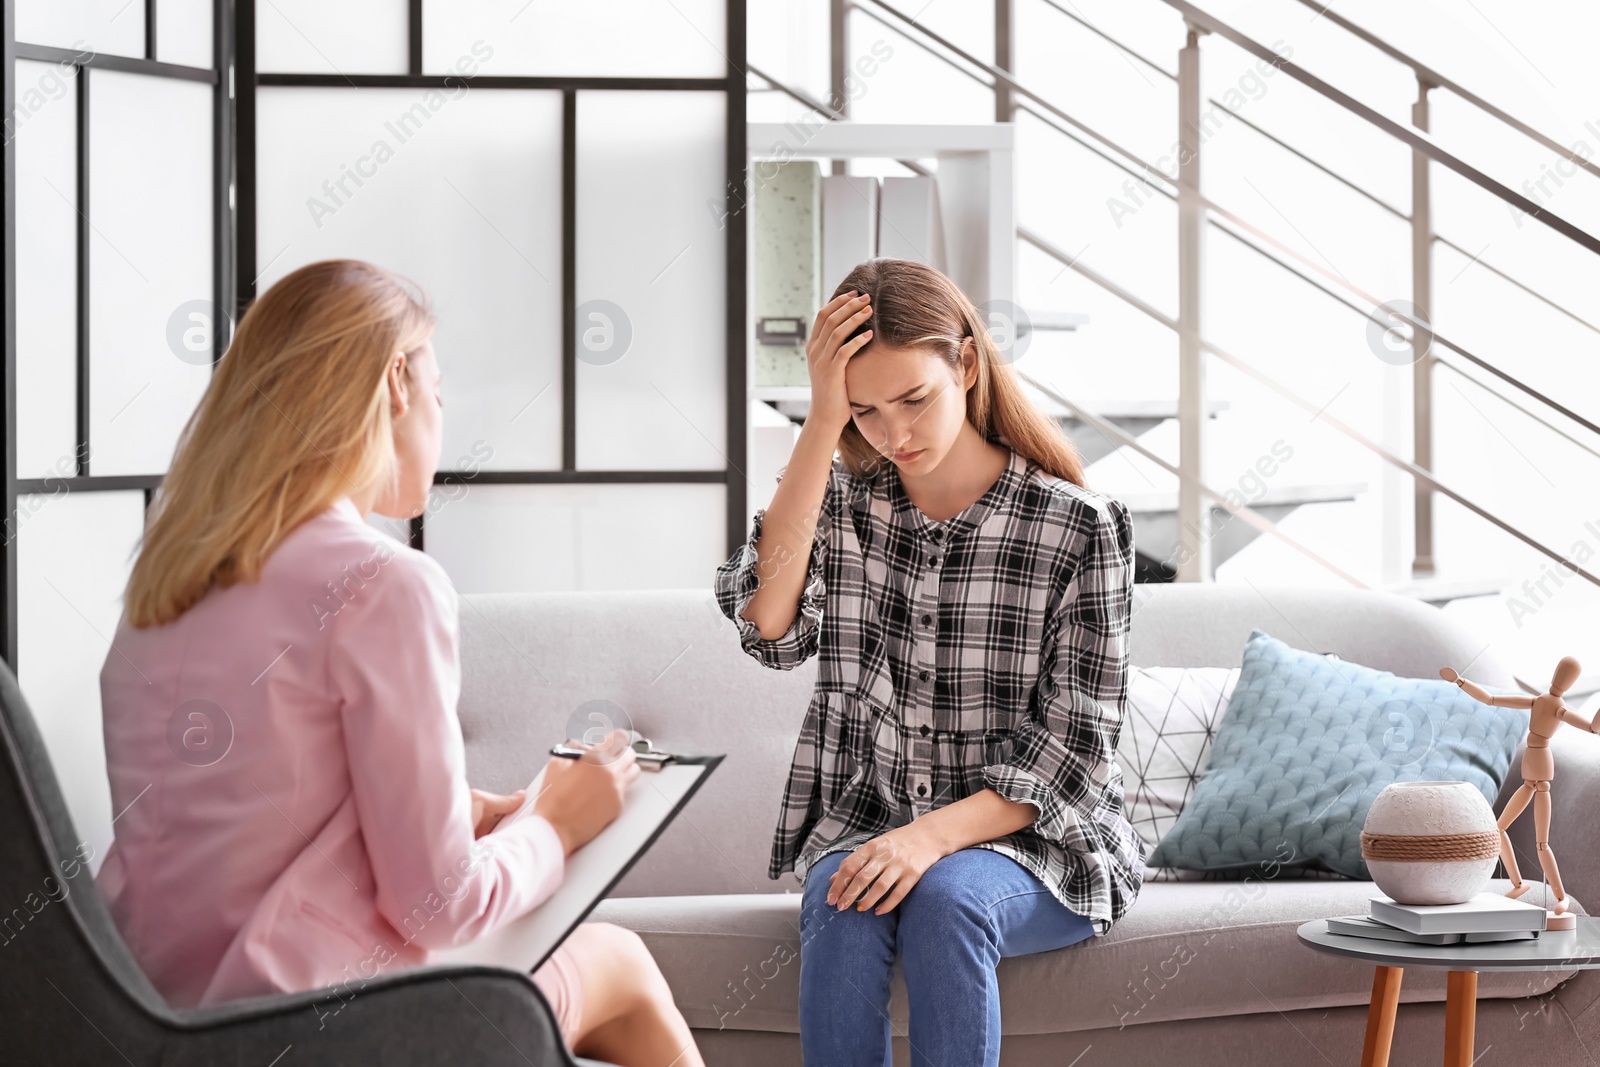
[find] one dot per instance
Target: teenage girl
(954, 796)
(280, 699)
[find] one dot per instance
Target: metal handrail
(1000, 75)
(1419, 143)
(1558, 431)
(1443, 362)
(1319, 411)
(1428, 76)
(1419, 473)
(1423, 73)
(1413, 137)
(1212, 205)
(1104, 36)
(1486, 265)
(1155, 314)
(1338, 279)
(1149, 309)
(1418, 140)
(1134, 53)
(1219, 210)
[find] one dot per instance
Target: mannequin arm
(1573, 717)
(1509, 700)
(1482, 695)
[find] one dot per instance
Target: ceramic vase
(1431, 810)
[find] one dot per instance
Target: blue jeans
(967, 910)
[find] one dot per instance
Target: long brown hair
(295, 416)
(916, 306)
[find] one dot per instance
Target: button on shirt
(987, 650)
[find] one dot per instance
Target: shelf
(873, 140)
(775, 393)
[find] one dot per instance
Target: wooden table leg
(1380, 1015)
(1460, 1013)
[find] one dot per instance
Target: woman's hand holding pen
(581, 797)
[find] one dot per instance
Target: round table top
(1552, 950)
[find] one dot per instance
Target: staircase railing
(1197, 210)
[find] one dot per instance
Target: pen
(649, 759)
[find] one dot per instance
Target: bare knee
(619, 974)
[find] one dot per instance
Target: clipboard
(592, 872)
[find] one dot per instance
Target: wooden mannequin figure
(1547, 712)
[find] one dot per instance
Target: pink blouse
(287, 778)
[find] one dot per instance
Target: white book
(849, 225)
(1512, 935)
(1366, 926)
(1484, 913)
(909, 224)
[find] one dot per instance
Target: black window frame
(234, 81)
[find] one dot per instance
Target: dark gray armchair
(71, 993)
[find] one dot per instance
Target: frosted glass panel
(183, 32)
(617, 38)
(47, 257)
(528, 538)
(316, 37)
(114, 27)
(651, 281)
(73, 562)
(459, 191)
(150, 261)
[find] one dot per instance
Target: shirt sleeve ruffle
(737, 580)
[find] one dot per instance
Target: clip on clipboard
(594, 870)
(650, 757)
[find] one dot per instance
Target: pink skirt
(557, 979)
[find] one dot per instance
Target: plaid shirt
(986, 650)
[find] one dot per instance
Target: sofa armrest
(434, 1016)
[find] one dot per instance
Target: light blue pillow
(1305, 746)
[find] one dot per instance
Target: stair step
(1160, 501)
(1113, 408)
(1437, 591)
(1040, 319)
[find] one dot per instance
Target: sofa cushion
(1308, 742)
(1183, 951)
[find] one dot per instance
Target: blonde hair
(295, 416)
(916, 306)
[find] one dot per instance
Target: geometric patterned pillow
(1172, 717)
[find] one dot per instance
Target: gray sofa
(1197, 973)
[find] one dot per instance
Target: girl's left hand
(489, 808)
(884, 869)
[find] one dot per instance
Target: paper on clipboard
(591, 872)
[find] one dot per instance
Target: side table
(1553, 950)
